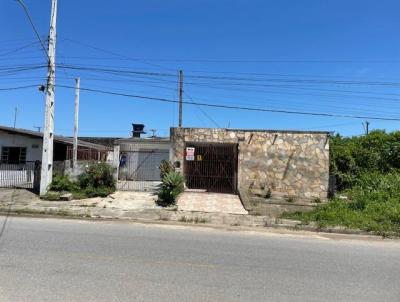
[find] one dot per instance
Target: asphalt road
(70, 260)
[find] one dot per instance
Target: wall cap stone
(256, 130)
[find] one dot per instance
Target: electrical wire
(235, 107)
(33, 26)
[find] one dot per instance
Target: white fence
(17, 175)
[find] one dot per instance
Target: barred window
(13, 155)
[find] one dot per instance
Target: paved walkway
(210, 202)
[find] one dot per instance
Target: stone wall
(287, 164)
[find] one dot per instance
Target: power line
(17, 49)
(18, 87)
(288, 60)
(234, 107)
(236, 81)
(115, 54)
(33, 26)
(202, 111)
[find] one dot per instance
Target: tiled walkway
(210, 202)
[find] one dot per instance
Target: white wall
(17, 140)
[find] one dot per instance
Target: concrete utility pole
(180, 96)
(48, 132)
(76, 120)
(15, 116)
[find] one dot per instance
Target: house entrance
(212, 167)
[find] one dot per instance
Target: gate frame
(235, 190)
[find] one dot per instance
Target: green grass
(52, 196)
(192, 220)
(373, 205)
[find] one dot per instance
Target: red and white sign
(190, 153)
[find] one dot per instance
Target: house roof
(57, 138)
(145, 140)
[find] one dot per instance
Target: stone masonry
(283, 164)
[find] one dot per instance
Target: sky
(337, 58)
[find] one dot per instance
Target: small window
(13, 155)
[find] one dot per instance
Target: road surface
(71, 260)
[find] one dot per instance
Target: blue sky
(336, 57)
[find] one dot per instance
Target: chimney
(137, 130)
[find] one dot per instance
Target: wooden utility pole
(76, 120)
(48, 131)
(180, 96)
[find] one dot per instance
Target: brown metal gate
(212, 167)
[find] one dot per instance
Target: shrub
(98, 192)
(172, 186)
(97, 175)
(165, 167)
(96, 180)
(350, 157)
(62, 183)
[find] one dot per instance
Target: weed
(163, 218)
(183, 219)
(200, 220)
(317, 200)
(268, 194)
(291, 199)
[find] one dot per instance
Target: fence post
(36, 176)
(116, 161)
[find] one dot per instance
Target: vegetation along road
(71, 260)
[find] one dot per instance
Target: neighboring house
(21, 148)
(22, 145)
(139, 160)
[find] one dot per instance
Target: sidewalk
(141, 207)
(120, 205)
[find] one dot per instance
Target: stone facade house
(262, 163)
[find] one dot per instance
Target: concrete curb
(284, 228)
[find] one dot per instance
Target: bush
(373, 206)
(350, 157)
(62, 183)
(97, 180)
(367, 170)
(165, 167)
(172, 186)
(97, 175)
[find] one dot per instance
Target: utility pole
(76, 119)
(153, 133)
(366, 127)
(180, 97)
(15, 116)
(48, 132)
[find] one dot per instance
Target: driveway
(210, 202)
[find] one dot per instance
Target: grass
(380, 219)
(52, 196)
(373, 205)
(192, 220)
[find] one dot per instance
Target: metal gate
(212, 167)
(139, 170)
